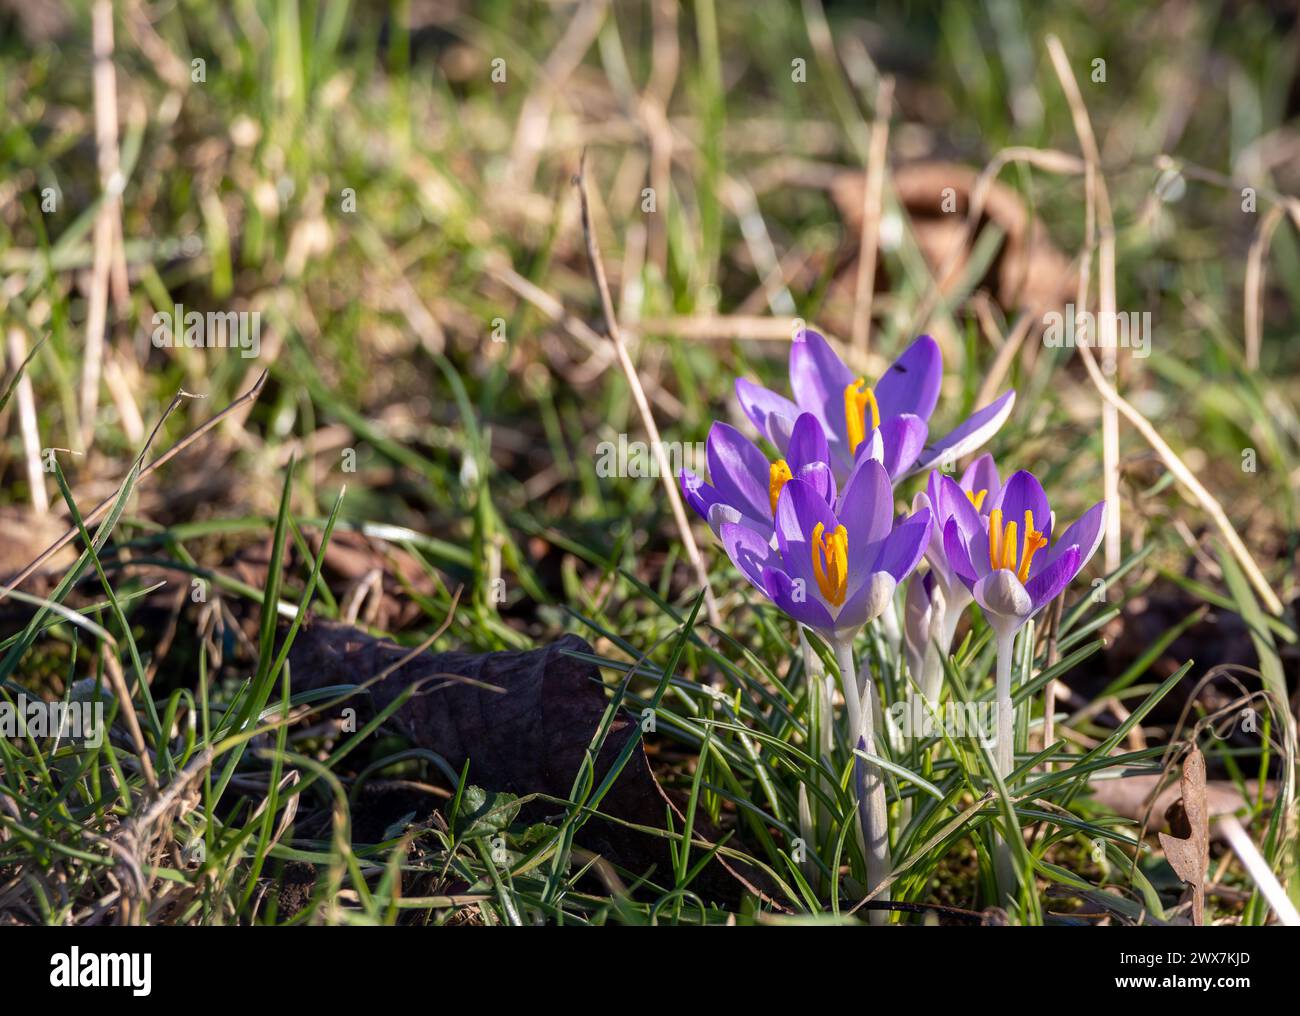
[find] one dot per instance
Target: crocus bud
(918, 613)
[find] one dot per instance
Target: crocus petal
(721, 514)
(809, 456)
(971, 434)
(807, 443)
(932, 489)
(748, 551)
(977, 546)
(1044, 587)
(818, 378)
(867, 511)
(772, 414)
(872, 447)
(901, 550)
(1000, 592)
(739, 471)
(1023, 492)
(699, 495)
(799, 509)
(911, 383)
(902, 438)
(1084, 533)
(954, 504)
(918, 608)
(867, 602)
(959, 560)
(922, 500)
(793, 596)
(821, 477)
(982, 474)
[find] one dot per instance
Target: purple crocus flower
(1007, 559)
(832, 572)
(746, 485)
(935, 608)
(1014, 570)
(835, 570)
(899, 407)
(972, 497)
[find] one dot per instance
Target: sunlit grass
(477, 458)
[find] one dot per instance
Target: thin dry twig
(1002, 362)
(639, 396)
(1103, 227)
(1187, 478)
(113, 667)
(96, 513)
(108, 223)
(872, 209)
(1254, 282)
(28, 425)
(535, 117)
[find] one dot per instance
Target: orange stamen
(1034, 542)
(857, 399)
(1005, 546)
(830, 561)
(777, 477)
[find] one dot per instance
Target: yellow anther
(1005, 548)
(995, 538)
(976, 497)
(830, 561)
(857, 399)
(1034, 542)
(777, 477)
(1009, 547)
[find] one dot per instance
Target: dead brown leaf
(23, 535)
(1188, 846)
(525, 721)
(1030, 272)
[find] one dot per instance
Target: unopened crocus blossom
(898, 406)
(834, 571)
(923, 618)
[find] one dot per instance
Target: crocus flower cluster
(813, 527)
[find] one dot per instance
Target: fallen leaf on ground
(525, 721)
(1188, 846)
(1130, 796)
(1030, 272)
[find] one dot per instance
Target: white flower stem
(935, 654)
(821, 732)
(1004, 756)
(890, 626)
(869, 783)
